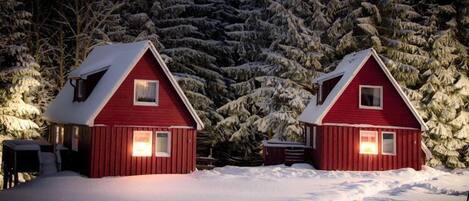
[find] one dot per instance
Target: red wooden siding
(119, 110)
(328, 85)
(111, 153)
(394, 112)
(340, 150)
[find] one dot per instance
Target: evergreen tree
(273, 87)
(192, 34)
(18, 73)
(445, 91)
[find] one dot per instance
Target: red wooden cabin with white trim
(123, 113)
(361, 119)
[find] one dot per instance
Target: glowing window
(163, 144)
(145, 92)
(389, 143)
(368, 142)
(371, 97)
(59, 134)
(142, 143)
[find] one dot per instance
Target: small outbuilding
(123, 113)
(361, 119)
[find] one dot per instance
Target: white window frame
(75, 142)
(370, 107)
(394, 142)
(308, 136)
(133, 143)
(139, 103)
(163, 154)
(314, 137)
(376, 141)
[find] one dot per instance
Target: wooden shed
(123, 113)
(360, 119)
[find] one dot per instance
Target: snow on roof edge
(136, 50)
(315, 113)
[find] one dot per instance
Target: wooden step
(294, 155)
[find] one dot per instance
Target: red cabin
(123, 113)
(361, 119)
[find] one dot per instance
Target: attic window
(371, 97)
(146, 92)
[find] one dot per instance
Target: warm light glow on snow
(368, 148)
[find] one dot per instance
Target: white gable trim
(168, 74)
(423, 126)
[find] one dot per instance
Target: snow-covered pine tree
(404, 34)
(445, 91)
(18, 73)
(273, 87)
(192, 36)
(134, 23)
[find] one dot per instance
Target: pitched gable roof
(348, 68)
(119, 59)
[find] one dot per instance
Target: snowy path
(252, 183)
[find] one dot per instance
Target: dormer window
(82, 87)
(371, 97)
(146, 92)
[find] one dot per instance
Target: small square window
(163, 144)
(142, 143)
(371, 97)
(389, 143)
(368, 142)
(145, 92)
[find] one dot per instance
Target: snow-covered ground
(299, 182)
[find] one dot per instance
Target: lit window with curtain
(368, 142)
(146, 92)
(142, 143)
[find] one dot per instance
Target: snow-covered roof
(348, 68)
(119, 59)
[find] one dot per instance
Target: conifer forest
(246, 66)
